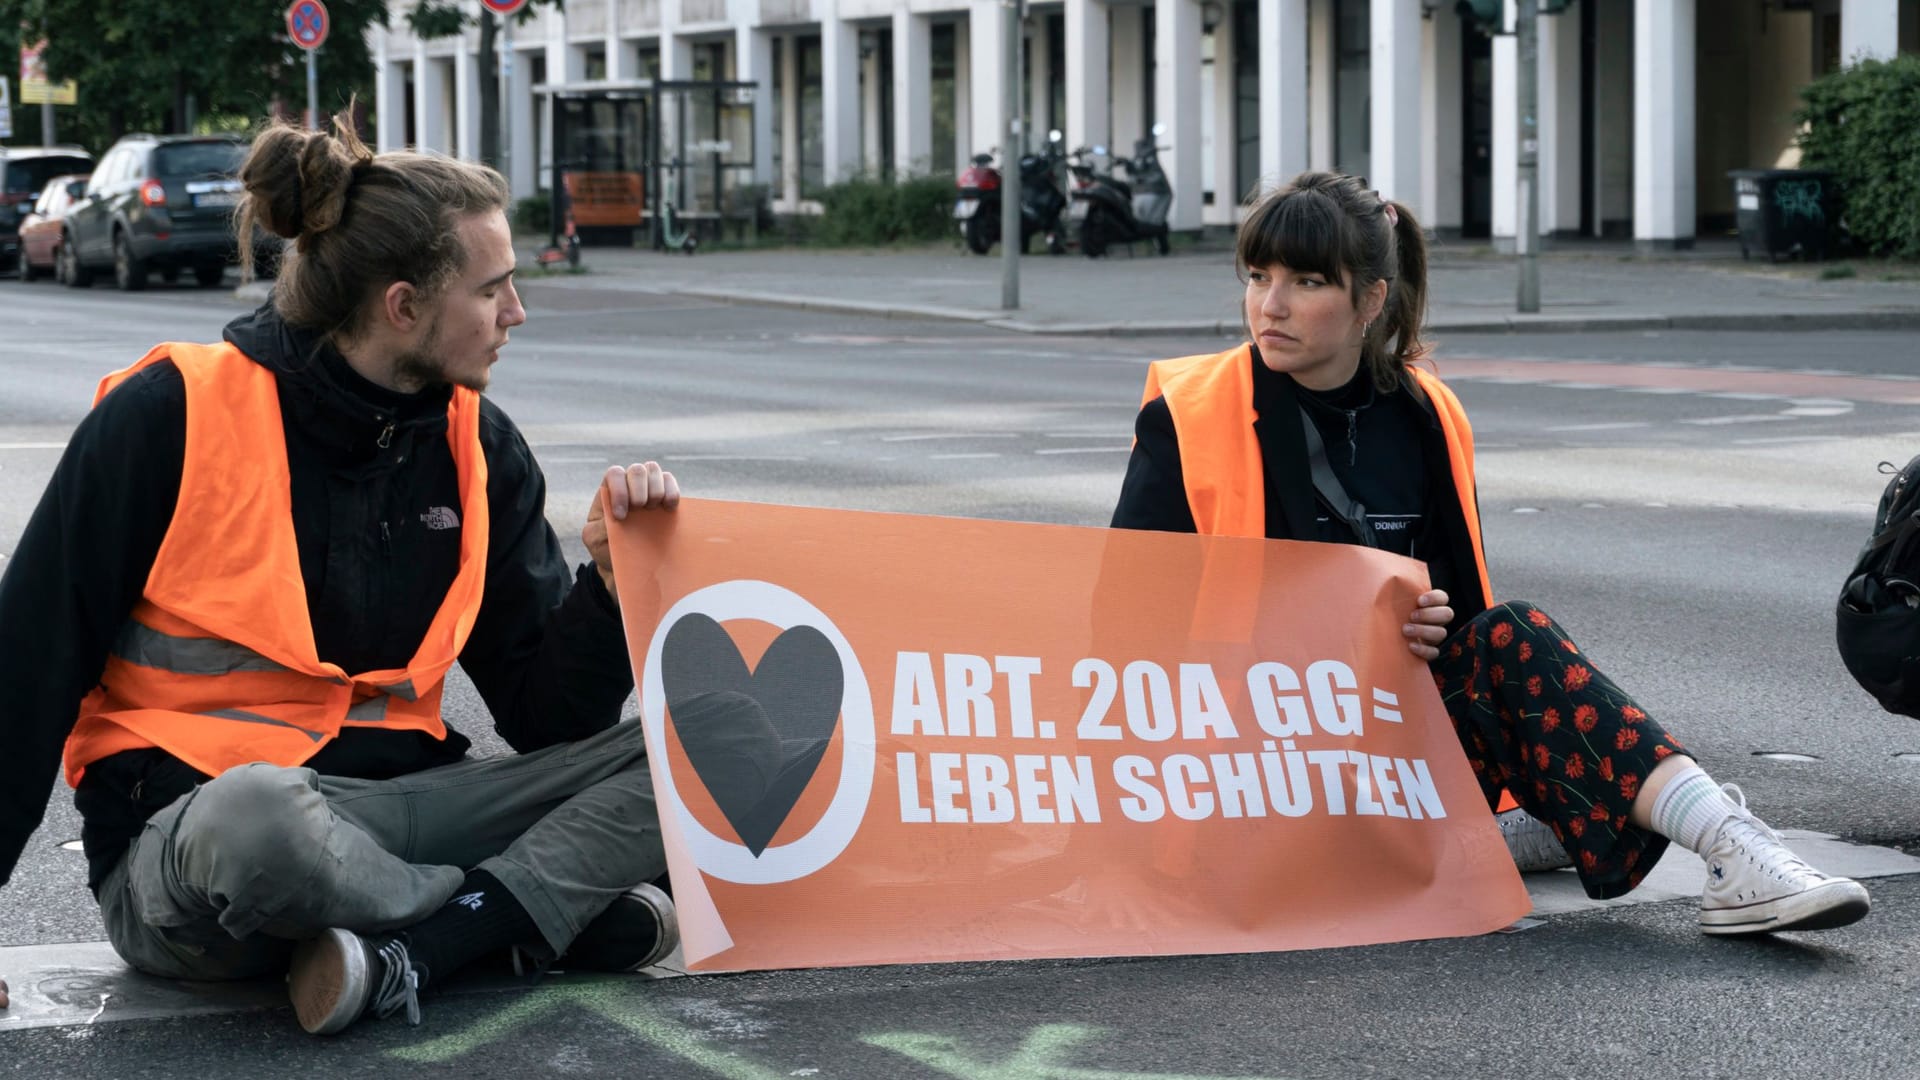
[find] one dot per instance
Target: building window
(812, 119)
(594, 61)
(941, 96)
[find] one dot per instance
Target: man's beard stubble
(421, 368)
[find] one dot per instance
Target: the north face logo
(440, 517)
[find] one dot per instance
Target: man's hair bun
(298, 180)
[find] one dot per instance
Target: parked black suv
(26, 170)
(157, 202)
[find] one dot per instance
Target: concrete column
(1127, 80)
(676, 52)
(1442, 183)
(1089, 34)
(1223, 160)
(1560, 125)
(1613, 120)
(839, 98)
(1320, 73)
(430, 104)
(519, 108)
(871, 117)
(1176, 84)
(1285, 101)
(1040, 116)
(1395, 84)
(389, 100)
(1869, 30)
(984, 49)
(912, 92)
(790, 120)
(1663, 124)
(753, 62)
(619, 64)
(466, 103)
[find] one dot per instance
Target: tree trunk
(489, 91)
(178, 123)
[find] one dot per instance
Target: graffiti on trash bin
(1798, 199)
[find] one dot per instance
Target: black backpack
(1877, 624)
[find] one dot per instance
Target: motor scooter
(977, 207)
(1107, 210)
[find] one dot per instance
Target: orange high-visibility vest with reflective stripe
(1211, 400)
(216, 663)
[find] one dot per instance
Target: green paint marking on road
(486, 1029)
(612, 1000)
(644, 1020)
(1038, 1058)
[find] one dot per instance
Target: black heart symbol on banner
(754, 737)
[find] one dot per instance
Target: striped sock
(1690, 809)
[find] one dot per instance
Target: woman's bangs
(1300, 230)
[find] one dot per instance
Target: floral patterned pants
(1539, 720)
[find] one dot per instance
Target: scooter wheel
(980, 235)
(1093, 237)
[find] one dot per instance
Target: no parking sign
(307, 23)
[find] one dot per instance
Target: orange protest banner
(884, 738)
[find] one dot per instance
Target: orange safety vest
(1211, 400)
(216, 663)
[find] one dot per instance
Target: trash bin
(1786, 212)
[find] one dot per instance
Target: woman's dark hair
(356, 221)
(1332, 224)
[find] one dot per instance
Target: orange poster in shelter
(886, 738)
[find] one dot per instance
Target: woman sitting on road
(1323, 429)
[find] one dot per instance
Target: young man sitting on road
(236, 604)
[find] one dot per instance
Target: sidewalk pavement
(1592, 287)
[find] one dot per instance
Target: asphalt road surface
(1686, 503)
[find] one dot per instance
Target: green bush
(870, 212)
(1863, 124)
(534, 213)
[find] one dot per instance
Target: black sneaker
(340, 976)
(638, 930)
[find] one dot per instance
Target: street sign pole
(505, 98)
(1010, 147)
(307, 26)
(503, 45)
(1526, 238)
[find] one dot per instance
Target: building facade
(1643, 104)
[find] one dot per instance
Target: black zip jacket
(376, 519)
(1154, 493)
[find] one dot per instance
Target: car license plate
(966, 208)
(1078, 210)
(217, 198)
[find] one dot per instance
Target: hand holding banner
(882, 738)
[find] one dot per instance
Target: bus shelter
(657, 160)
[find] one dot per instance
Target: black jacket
(374, 485)
(1154, 494)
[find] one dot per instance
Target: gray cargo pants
(224, 881)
